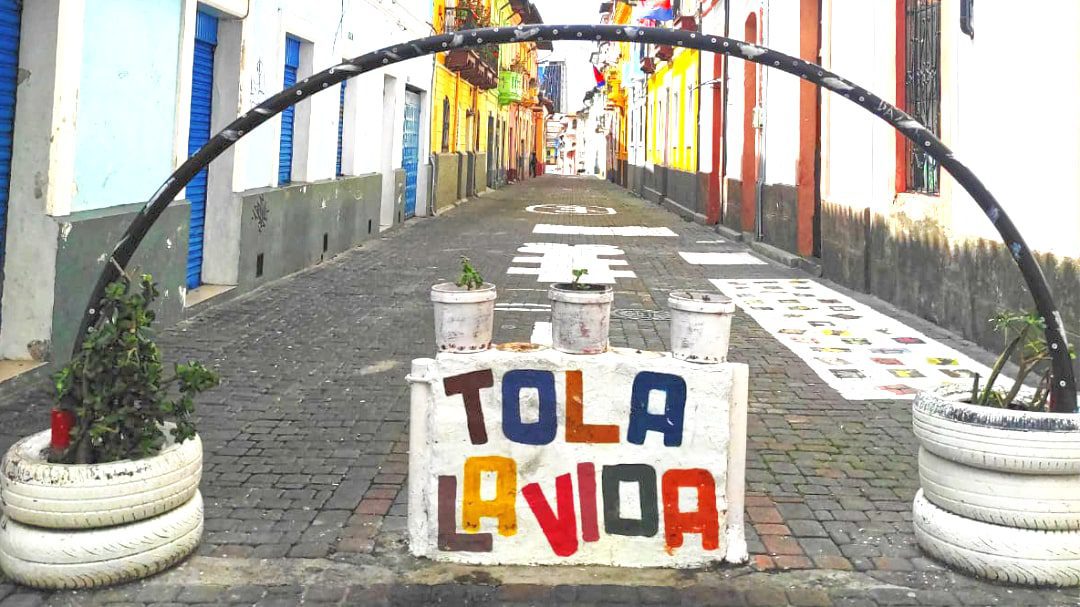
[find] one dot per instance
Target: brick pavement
(306, 439)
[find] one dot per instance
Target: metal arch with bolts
(1063, 388)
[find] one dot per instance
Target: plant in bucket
(580, 315)
(464, 312)
(110, 493)
(999, 474)
(700, 326)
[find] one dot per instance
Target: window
(446, 124)
(922, 88)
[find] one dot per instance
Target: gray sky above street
(576, 54)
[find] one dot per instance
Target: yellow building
(483, 126)
(663, 131)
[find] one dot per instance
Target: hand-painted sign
(526, 455)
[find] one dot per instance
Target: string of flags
(653, 10)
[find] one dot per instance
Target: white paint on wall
(713, 441)
(555, 262)
(630, 231)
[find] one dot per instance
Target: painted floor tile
(856, 350)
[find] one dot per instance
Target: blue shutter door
(292, 63)
(410, 150)
(9, 67)
(202, 95)
(341, 126)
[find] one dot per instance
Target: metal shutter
(410, 149)
(202, 93)
(9, 66)
(292, 63)
(341, 126)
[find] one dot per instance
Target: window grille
(922, 88)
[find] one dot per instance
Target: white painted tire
(65, 496)
(1025, 501)
(997, 439)
(58, 559)
(1019, 556)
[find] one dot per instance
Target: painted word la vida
(560, 524)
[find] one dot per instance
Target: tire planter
(1025, 501)
(1000, 493)
(580, 318)
(1005, 554)
(59, 496)
(464, 319)
(64, 559)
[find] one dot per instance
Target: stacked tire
(82, 526)
(1000, 494)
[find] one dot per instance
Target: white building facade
(113, 95)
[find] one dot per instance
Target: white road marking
(721, 259)
(547, 228)
(569, 209)
(541, 333)
(522, 307)
(555, 262)
(860, 352)
(717, 241)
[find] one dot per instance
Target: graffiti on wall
(542, 457)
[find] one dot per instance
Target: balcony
(478, 66)
(510, 87)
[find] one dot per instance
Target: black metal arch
(1064, 383)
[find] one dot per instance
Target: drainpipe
(759, 187)
(724, 117)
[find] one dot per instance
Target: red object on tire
(62, 421)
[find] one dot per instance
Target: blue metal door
(410, 150)
(341, 126)
(292, 64)
(9, 67)
(202, 96)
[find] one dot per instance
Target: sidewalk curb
(790, 260)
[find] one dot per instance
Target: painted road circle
(569, 209)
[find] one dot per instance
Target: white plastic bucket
(700, 326)
(580, 318)
(463, 318)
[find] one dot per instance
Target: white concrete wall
(501, 467)
(780, 32)
(42, 170)
(858, 150)
(1009, 116)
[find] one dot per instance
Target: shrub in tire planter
(1000, 476)
(110, 494)
(464, 312)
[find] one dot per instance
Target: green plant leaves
(116, 385)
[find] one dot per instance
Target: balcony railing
(478, 66)
(461, 18)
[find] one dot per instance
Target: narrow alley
(306, 439)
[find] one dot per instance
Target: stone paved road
(306, 438)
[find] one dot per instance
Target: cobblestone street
(306, 439)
